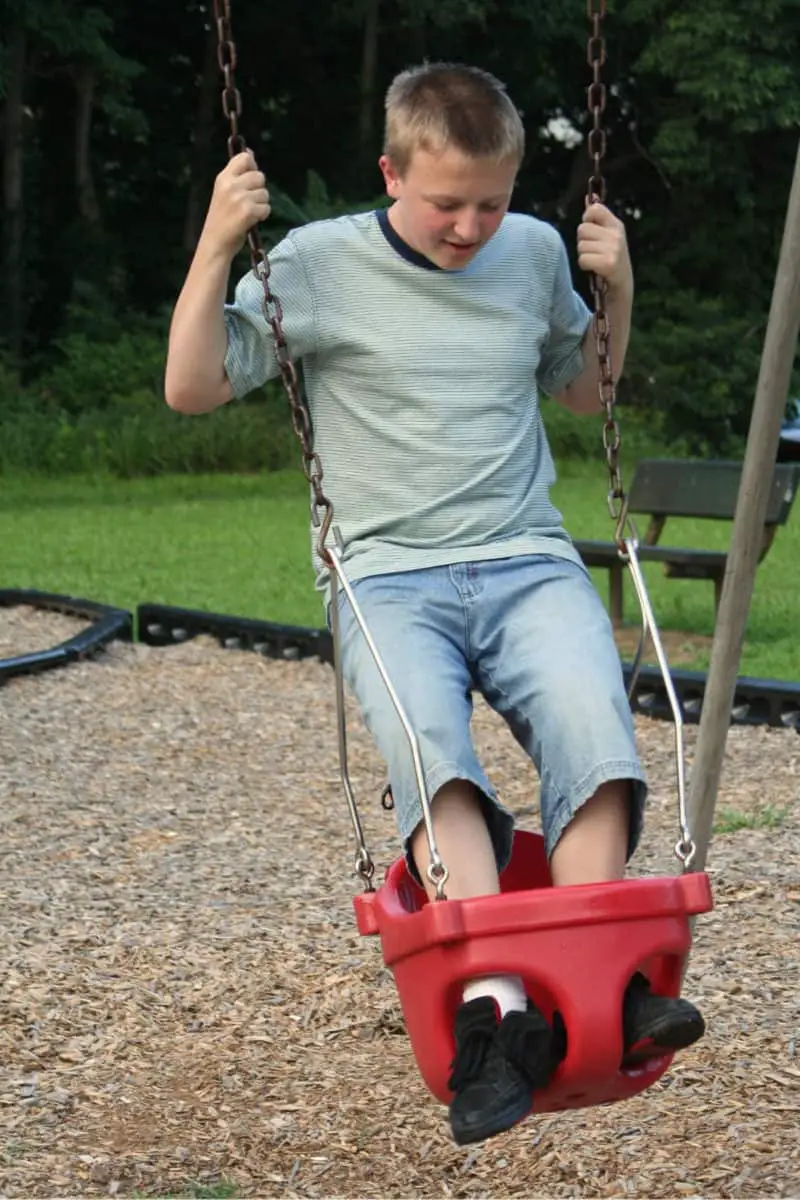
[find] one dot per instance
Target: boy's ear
(391, 177)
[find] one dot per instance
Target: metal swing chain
(596, 96)
(612, 440)
(321, 506)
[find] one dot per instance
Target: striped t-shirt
(422, 385)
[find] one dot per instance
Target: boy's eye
(446, 208)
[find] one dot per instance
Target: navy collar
(403, 249)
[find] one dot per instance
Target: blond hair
(440, 105)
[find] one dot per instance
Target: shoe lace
(468, 1063)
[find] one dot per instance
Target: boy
(426, 332)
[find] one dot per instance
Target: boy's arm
(583, 394)
(195, 379)
(603, 250)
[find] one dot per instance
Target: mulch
(185, 999)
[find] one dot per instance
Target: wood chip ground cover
(185, 1000)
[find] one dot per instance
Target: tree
(13, 186)
(113, 131)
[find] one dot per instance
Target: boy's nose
(466, 227)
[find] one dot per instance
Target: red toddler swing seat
(575, 947)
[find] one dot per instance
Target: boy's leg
(418, 622)
(593, 847)
(463, 841)
(546, 660)
(415, 621)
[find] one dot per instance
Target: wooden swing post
(780, 344)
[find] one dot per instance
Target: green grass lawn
(240, 545)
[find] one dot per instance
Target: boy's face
(448, 205)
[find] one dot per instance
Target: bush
(693, 364)
(97, 403)
(137, 435)
(581, 438)
(97, 406)
(92, 374)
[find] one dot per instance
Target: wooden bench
(663, 488)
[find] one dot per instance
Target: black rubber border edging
(163, 625)
(108, 625)
(756, 701)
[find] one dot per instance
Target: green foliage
(92, 374)
(214, 1191)
(11, 389)
(731, 820)
(734, 65)
(693, 365)
(64, 33)
(137, 435)
(100, 409)
(703, 109)
(223, 1190)
(578, 439)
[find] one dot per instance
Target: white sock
(507, 992)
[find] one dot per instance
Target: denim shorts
(532, 636)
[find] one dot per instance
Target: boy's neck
(392, 231)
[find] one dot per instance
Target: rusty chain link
(321, 506)
(596, 96)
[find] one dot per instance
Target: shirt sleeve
(250, 357)
(562, 358)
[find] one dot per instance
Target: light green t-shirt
(423, 386)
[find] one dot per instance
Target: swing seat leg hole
(647, 1066)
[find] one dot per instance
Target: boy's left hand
(603, 247)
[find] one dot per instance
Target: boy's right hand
(239, 201)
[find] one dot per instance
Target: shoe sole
(499, 1124)
(664, 1038)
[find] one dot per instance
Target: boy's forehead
(449, 171)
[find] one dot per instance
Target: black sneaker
(653, 1025)
(496, 1068)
